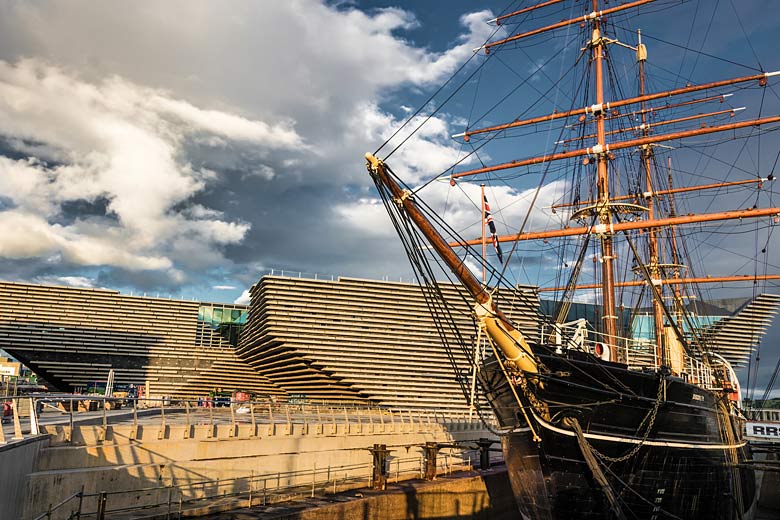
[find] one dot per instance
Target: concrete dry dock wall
(152, 459)
(16, 462)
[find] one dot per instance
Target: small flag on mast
(493, 234)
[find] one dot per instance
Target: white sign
(763, 430)
(9, 370)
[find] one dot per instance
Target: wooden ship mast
(606, 206)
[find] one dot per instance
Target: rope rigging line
(433, 96)
(744, 33)
(426, 265)
(704, 39)
(688, 49)
(698, 341)
(495, 135)
(620, 390)
(595, 468)
(539, 186)
(435, 299)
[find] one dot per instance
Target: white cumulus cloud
(115, 142)
(176, 152)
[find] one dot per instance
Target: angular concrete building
(72, 338)
(363, 339)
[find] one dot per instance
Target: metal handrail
(47, 515)
(696, 371)
(322, 276)
(225, 411)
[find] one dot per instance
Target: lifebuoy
(602, 351)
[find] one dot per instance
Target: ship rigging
(594, 423)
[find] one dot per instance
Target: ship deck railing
(639, 354)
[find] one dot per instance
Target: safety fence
(31, 415)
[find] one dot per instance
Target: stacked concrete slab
(736, 336)
(365, 340)
(72, 337)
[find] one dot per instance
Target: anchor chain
(651, 415)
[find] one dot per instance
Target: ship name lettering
(766, 430)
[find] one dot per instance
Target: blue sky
(185, 148)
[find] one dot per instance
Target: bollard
(104, 428)
(134, 431)
(187, 427)
(161, 433)
(379, 465)
(430, 451)
(232, 432)
(33, 418)
(319, 429)
(69, 431)
(484, 453)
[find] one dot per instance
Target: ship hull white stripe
(628, 440)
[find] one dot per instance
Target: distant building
(730, 327)
(347, 339)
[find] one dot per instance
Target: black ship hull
(552, 481)
(688, 465)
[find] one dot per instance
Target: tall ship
(626, 182)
